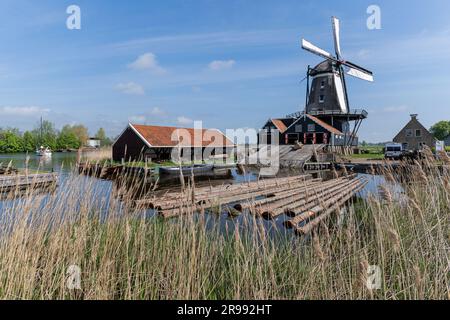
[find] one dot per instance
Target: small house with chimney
(414, 136)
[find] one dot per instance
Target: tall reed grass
(124, 254)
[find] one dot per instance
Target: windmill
(327, 96)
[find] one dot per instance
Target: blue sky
(231, 64)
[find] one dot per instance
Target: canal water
(100, 191)
(58, 162)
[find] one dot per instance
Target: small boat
(197, 169)
(44, 152)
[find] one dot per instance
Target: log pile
(7, 169)
(31, 181)
(302, 198)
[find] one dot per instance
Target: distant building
(142, 142)
(307, 129)
(414, 136)
(447, 141)
(93, 143)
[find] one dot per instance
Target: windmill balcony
(354, 113)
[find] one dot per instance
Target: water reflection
(58, 162)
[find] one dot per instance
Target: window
(409, 133)
(418, 133)
(292, 138)
(311, 127)
(321, 98)
(298, 128)
(322, 84)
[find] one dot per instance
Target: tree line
(12, 140)
(441, 130)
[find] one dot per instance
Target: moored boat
(43, 152)
(195, 169)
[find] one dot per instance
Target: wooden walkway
(289, 155)
(300, 197)
(21, 182)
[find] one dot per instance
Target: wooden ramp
(299, 197)
(291, 156)
(21, 182)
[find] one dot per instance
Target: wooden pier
(300, 197)
(22, 182)
(7, 169)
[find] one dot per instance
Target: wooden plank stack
(7, 169)
(21, 182)
(300, 197)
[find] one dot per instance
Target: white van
(393, 151)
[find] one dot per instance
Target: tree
(67, 139)
(81, 132)
(10, 141)
(101, 135)
(29, 142)
(46, 135)
(441, 130)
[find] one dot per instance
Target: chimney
(414, 116)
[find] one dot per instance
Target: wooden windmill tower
(326, 96)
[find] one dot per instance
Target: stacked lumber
(300, 197)
(7, 169)
(198, 199)
(20, 182)
(310, 215)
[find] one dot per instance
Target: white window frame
(321, 98)
(420, 133)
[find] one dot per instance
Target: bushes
(70, 137)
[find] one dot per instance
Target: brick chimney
(414, 116)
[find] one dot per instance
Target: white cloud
(395, 109)
(184, 121)
(154, 113)
(211, 40)
(217, 65)
(138, 119)
(131, 88)
(147, 61)
(157, 112)
(22, 111)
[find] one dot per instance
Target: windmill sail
(316, 50)
(360, 74)
(337, 39)
(340, 93)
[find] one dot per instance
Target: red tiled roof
(324, 125)
(279, 124)
(158, 136)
